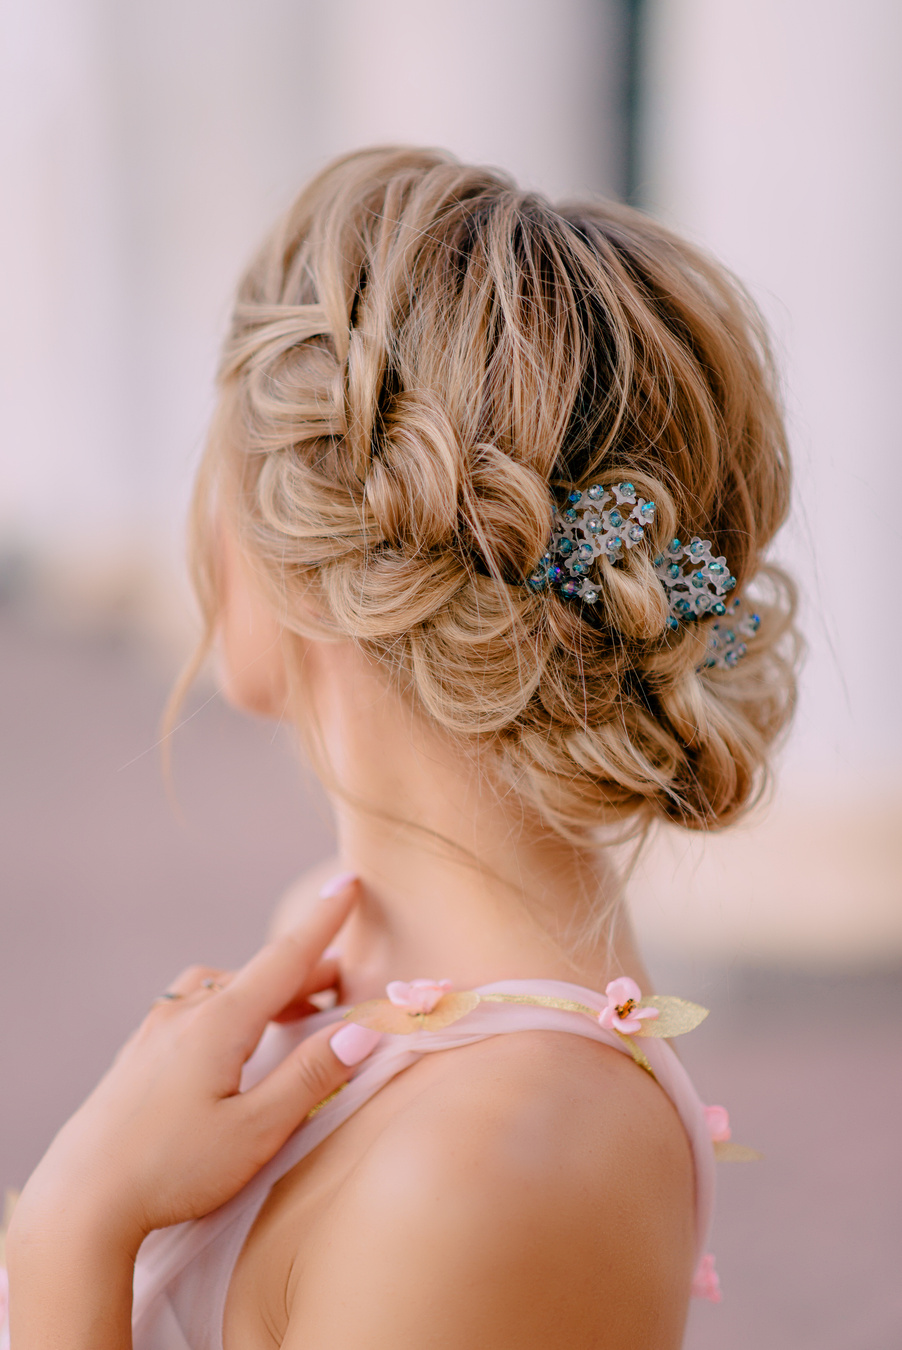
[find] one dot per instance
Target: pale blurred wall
(773, 135)
(145, 148)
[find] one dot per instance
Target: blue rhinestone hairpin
(603, 522)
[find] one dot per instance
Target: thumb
(313, 1071)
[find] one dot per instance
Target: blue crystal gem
(555, 573)
(673, 571)
(594, 525)
(636, 533)
(647, 509)
(586, 551)
(729, 583)
(614, 543)
(616, 519)
(675, 546)
(570, 589)
(536, 582)
(754, 622)
(578, 569)
(718, 608)
(627, 490)
(659, 560)
(575, 497)
(570, 516)
(698, 580)
(590, 597)
(716, 568)
(672, 623)
(696, 547)
(565, 547)
(595, 493)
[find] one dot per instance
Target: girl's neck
(460, 882)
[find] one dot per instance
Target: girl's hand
(166, 1135)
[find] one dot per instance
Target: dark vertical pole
(634, 12)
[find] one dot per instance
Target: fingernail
(340, 882)
(352, 1043)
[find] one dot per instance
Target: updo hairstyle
(423, 360)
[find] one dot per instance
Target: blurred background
(143, 151)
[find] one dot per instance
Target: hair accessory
(725, 639)
(602, 523)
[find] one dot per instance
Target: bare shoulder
(536, 1189)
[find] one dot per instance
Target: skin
(526, 1191)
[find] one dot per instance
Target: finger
(296, 1011)
(305, 1078)
(192, 979)
(318, 991)
(218, 982)
(272, 979)
(324, 975)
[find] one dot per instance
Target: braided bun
(422, 361)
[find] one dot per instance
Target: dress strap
(183, 1273)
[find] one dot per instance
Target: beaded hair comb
(601, 523)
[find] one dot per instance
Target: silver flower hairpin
(601, 523)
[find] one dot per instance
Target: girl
(483, 514)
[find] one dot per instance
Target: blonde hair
(422, 360)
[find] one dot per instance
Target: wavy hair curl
(422, 359)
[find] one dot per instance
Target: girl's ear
(249, 638)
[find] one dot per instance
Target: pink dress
(182, 1273)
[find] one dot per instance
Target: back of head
(423, 362)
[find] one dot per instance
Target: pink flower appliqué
(417, 996)
(706, 1284)
(623, 1012)
(718, 1122)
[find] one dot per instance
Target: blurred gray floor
(105, 892)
